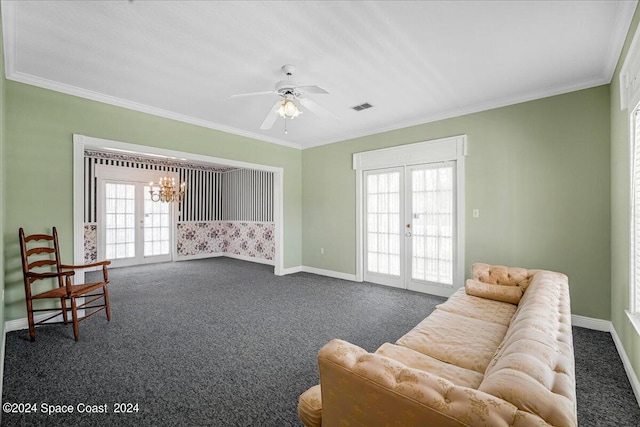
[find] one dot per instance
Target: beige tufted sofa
(473, 362)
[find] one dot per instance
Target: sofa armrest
(365, 389)
(310, 407)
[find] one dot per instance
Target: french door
(132, 229)
(409, 228)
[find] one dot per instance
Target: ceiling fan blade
(316, 108)
(312, 89)
(271, 117)
(240, 95)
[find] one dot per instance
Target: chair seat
(76, 291)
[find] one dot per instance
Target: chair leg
(63, 303)
(105, 294)
(32, 328)
(74, 315)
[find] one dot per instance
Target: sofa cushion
(413, 359)
(521, 390)
(550, 367)
(501, 275)
(462, 341)
(478, 308)
(510, 294)
(544, 311)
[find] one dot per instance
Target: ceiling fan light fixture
(288, 109)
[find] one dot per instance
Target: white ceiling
(415, 62)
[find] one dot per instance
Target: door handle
(407, 234)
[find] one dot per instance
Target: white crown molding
(135, 106)
(621, 27)
(130, 105)
(463, 111)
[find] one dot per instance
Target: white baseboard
(228, 255)
(23, 323)
(633, 378)
(290, 270)
(329, 273)
(590, 323)
(320, 272)
(248, 258)
(198, 256)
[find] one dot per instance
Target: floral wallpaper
(90, 243)
(251, 239)
(195, 238)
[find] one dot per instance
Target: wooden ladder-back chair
(47, 255)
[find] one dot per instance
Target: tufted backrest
(502, 275)
(533, 368)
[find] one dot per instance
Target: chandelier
(168, 192)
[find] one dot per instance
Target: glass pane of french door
(120, 225)
(157, 226)
(432, 210)
(383, 239)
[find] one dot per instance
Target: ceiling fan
(289, 92)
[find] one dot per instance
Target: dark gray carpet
(222, 342)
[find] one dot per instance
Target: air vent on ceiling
(362, 107)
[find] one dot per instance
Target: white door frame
(453, 148)
(82, 142)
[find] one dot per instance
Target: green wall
(538, 171)
(39, 155)
(2, 193)
(620, 221)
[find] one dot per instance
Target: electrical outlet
(476, 213)
(321, 251)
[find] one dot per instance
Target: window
(630, 101)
